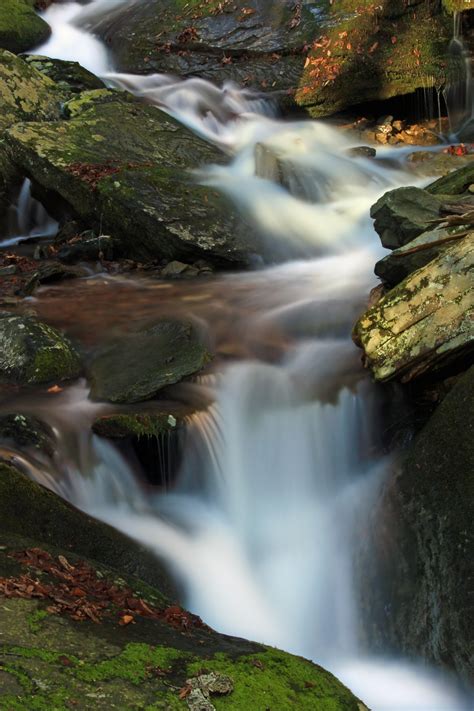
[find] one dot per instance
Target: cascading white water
(459, 92)
(262, 526)
(27, 219)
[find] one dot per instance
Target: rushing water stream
(283, 467)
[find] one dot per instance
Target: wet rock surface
(32, 352)
(136, 367)
(403, 214)
(127, 167)
(423, 552)
(20, 27)
(329, 56)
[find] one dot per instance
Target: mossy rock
(25, 94)
(455, 183)
(26, 431)
(20, 27)
(34, 513)
(426, 321)
(31, 352)
(137, 366)
(71, 77)
(125, 425)
(126, 168)
(276, 47)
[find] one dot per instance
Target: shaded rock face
(20, 27)
(140, 660)
(426, 320)
(127, 168)
(70, 77)
(283, 46)
(403, 214)
(25, 431)
(136, 367)
(421, 602)
(31, 352)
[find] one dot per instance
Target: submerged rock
(20, 27)
(421, 597)
(425, 321)
(402, 214)
(127, 168)
(31, 352)
(136, 367)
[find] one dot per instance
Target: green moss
(35, 619)
(276, 680)
(135, 425)
(20, 27)
(135, 664)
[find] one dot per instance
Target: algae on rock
(426, 320)
(20, 27)
(31, 352)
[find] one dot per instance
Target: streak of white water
(28, 219)
(262, 527)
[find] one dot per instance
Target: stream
(283, 463)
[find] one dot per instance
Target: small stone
(362, 152)
(471, 188)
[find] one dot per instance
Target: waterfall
(459, 90)
(281, 473)
(28, 219)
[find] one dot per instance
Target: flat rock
(136, 367)
(425, 321)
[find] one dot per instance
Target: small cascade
(459, 90)
(28, 219)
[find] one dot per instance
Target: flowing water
(283, 463)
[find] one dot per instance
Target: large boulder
(87, 620)
(401, 215)
(420, 599)
(31, 352)
(329, 56)
(25, 94)
(126, 168)
(137, 366)
(20, 27)
(425, 321)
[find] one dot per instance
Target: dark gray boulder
(137, 366)
(402, 214)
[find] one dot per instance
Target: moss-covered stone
(426, 320)
(125, 425)
(26, 431)
(25, 94)
(329, 54)
(20, 27)
(136, 367)
(38, 515)
(455, 183)
(71, 77)
(126, 167)
(31, 352)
